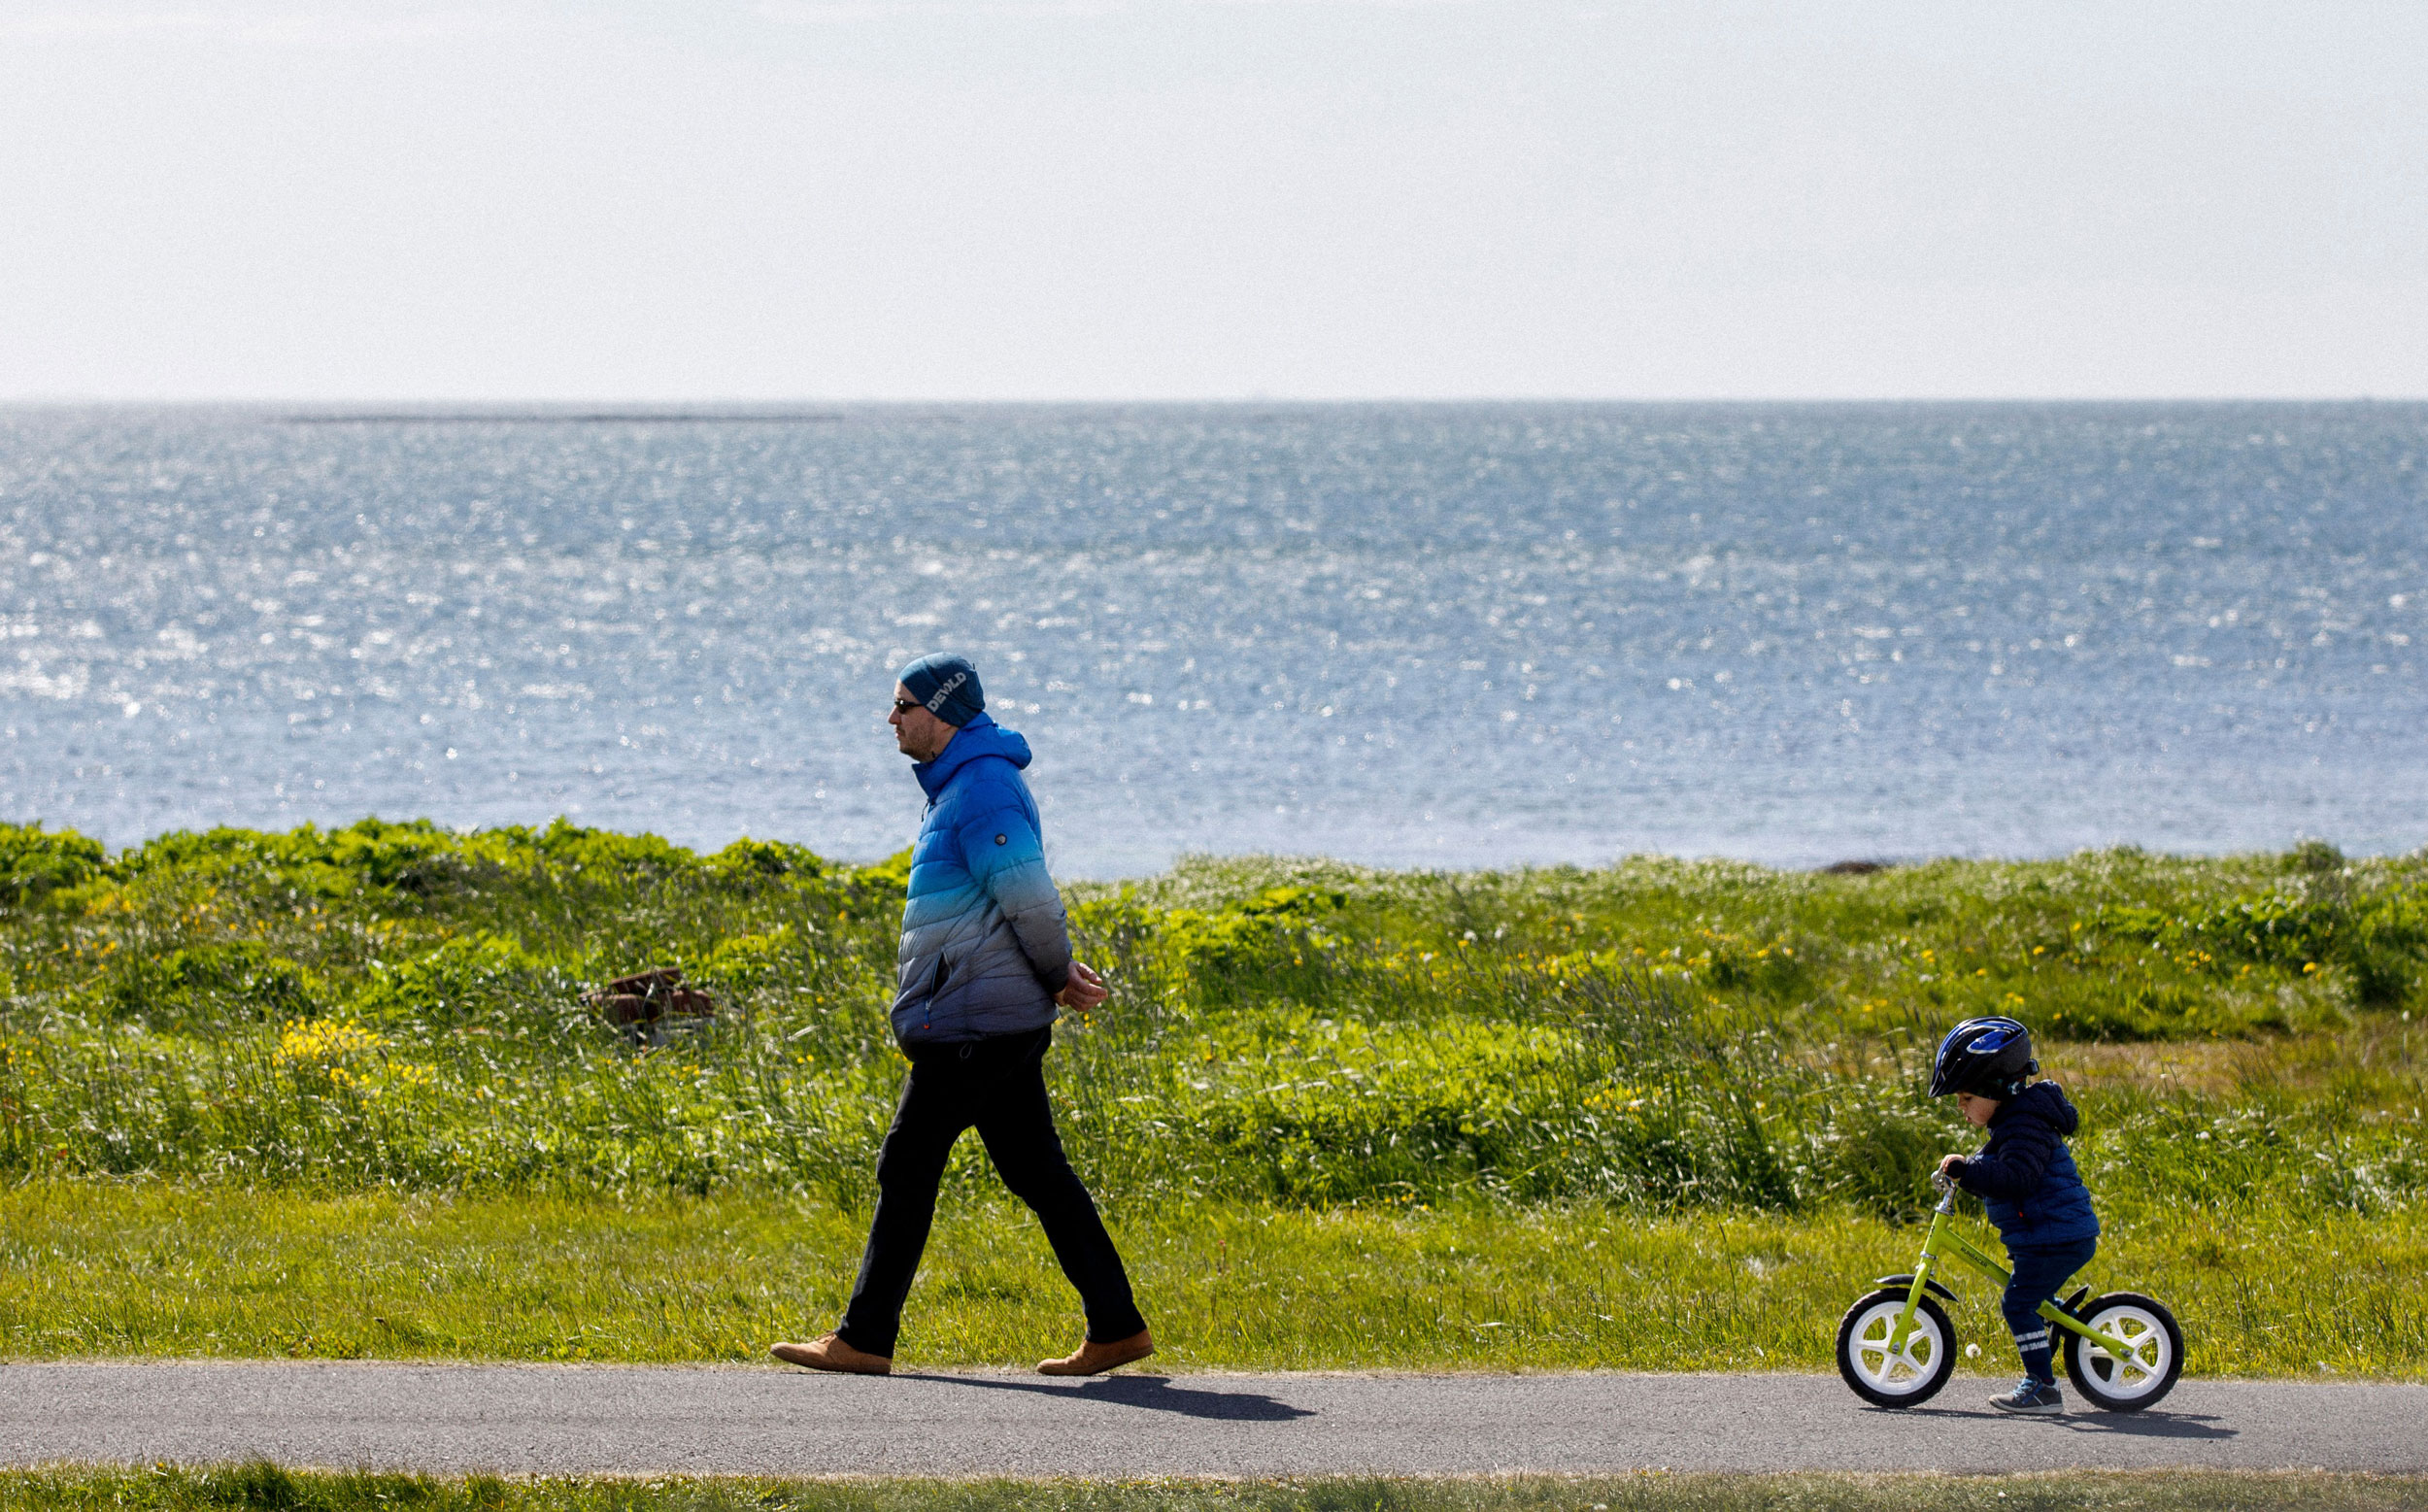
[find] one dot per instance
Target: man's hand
(1948, 1164)
(1085, 990)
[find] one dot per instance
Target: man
(985, 959)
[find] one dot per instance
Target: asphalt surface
(614, 1420)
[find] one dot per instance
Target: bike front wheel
(2148, 1369)
(1895, 1377)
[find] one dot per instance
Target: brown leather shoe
(1092, 1358)
(830, 1352)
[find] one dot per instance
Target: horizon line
(817, 408)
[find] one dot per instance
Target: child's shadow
(2152, 1424)
(2128, 1424)
(1153, 1392)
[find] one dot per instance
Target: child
(2026, 1179)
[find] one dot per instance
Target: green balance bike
(1896, 1347)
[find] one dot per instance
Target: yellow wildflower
(323, 1041)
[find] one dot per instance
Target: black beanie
(948, 685)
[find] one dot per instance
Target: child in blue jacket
(2026, 1179)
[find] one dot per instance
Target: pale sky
(1211, 200)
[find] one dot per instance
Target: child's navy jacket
(2025, 1175)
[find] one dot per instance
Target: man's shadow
(1153, 1392)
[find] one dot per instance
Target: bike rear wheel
(2144, 1375)
(1900, 1377)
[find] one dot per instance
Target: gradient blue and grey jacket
(983, 944)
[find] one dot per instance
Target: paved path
(566, 1419)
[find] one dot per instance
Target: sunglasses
(906, 705)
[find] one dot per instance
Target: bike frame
(1972, 1254)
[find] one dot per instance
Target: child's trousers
(2040, 1271)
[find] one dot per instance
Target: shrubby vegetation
(397, 1006)
(166, 1488)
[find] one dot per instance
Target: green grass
(93, 1269)
(168, 1489)
(396, 1006)
(338, 1092)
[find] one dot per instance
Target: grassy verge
(165, 1489)
(94, 1269)
(396, 1006)
(341, 1092)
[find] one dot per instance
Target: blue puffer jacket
(983, 944)
(2025, 1175)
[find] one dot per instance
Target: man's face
(917, 733)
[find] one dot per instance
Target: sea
(1448, 636)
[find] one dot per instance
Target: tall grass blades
(398, 1006)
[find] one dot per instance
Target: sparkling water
(1433, 635)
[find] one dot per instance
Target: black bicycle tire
(2076, 1344)
(1940, 1369)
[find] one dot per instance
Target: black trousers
(997, 1085)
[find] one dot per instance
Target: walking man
(985, 959)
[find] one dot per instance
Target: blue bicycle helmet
(1988, 1058)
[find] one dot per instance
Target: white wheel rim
(1899, 1372)
(2140, 1371)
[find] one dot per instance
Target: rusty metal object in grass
(647, 1004)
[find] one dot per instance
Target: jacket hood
(981, 737)
(2046, 1102)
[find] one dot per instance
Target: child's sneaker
(2030, 1395)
